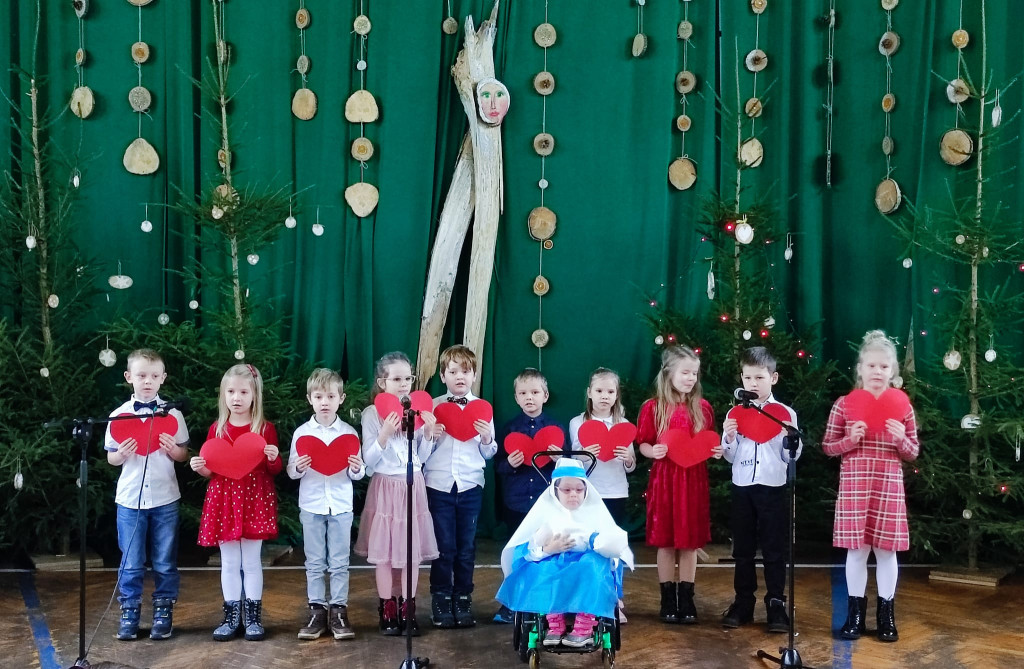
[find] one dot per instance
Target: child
(678, 514)
(454, 474)
(325, 509)
(564, 558)
(239, 514)
(147, 501)
(382, 529)
(760, 510)
(521, 485)
(871, 511)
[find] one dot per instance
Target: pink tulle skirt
(382, 534)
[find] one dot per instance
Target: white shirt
(458, 463)
(393, 459)
(760, 464)
(152, 474)
(319, 494)
(608, 478)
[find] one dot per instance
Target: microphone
(182, 404)
(406, 402)
(744, 395)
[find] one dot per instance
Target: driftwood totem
(476, 192)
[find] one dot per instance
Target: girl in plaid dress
(871, 511)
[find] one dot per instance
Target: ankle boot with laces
(232, 622)
(887, 620)
(254, 620)
(853, 628)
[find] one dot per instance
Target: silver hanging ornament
(252, 258)
(30, 241)
(951, 360)
(163, 319)
(990, 355)
(290, 222)
(318, 229)
(239, 354)
(997, 112)
(711, 282)
(193, 304)
(146, 226)
(44, 372)
(968, 514)
(747, 334)
(659, 340)
(107, 357)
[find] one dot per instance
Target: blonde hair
(380, 370)
(147, 354)
(256, 411)
(667, 398)
(322, 379)
(877, 340)
(617, 406)
(530, 374)
(460, 354)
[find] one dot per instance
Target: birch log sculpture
(476, 187)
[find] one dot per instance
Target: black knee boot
(853, 628)
(887, 620)
(669, 607)
(687, 607)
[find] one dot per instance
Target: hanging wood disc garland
(684, 123)
(303, 18)
(81, 7)
(141, 158)
(304, 104)
(753, 108)
(888, 196)
(362, 149)
(450, 26)
(682, 173)
(956, 147)
(544, 144)
(362, 197)
(542, 223)
(545, 35)
(685, 82)
(140, 52)
(639, 47)
(751, 152)
(540, 338)
(82, 102)
(140, 99)
(544, 83)
(361, 107)
(303, 64)
(541, 286)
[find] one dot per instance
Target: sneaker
(574, 640)
(778, 619)
(738, 614)
(463, 610)
(441, 611)
(555, 630)
(504, 616)
(163, 619)
(128, 627)
(339, 622)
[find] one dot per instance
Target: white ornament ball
(19, 481)
(146, 226)
(659, 340)
(253, 258)
(30, 241)
(318, 229)
(747, 334)
(897, 382)
(908, 263)
(193, 304)
(76, 180)
(971, 421)
(769, 322)
(239, 354)
(53, 301)
(990, 355)
(951, 360)
(107, 357)
(44, 372)
(960, 239)
(361, 65)
(968, 514)
(217, 213)
(290, 222)
(984, 252)
(788, 253)
(163, 319)
(542, 184)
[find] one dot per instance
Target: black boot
(254, 620)
(853, 628)
(778, 619)
(163, 617)
(687, 608)
(387, 609)
(407, 615)
(232, 622)
(441, 613)
(740, 612)
(462, 609)
(887, 620)
(669, 606)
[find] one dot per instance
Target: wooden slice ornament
(744, 232)
(753, 108)
(303, 64)
(888, 146)
(686, 81)
(304, 104)
(362, 25)
(223, 51)
(226, 196)
(957, 91)
(139, 3)
(450, 26)
(141, 158)
(889, 43)
(545, 35)
(82, 102)
(80, 57)
(548, 244)
(639, 47)
(751, 152)
(682, 173)
(888, 196)
(961, 38)
(756, 60)
(140, 99)
(758, 6)
(541, 286)
(544, 144)
(362, 149)
(361, 107)
(302, 19)
(685, 30)
(544, 83)
(81, 7)
(540, 338)
(222, 158)
(542, 223)
(956, 147)
(140, 52)
(363, 198)
(684, 123)
(888, 102)
(889, 5)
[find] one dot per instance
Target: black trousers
(759, 518)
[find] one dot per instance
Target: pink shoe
(582, 631)
(556, 629)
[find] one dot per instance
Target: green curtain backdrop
(624, 233)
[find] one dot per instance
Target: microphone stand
(409, 425)
(789, 656)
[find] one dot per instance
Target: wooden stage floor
(941, 626)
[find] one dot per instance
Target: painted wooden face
(492, 100)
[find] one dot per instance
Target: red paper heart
(458, 421)
(236, 460)
(686, 450)
(596, 432)
(146, 433)
(551, 435)
(420, 400)
(328, 459)
(862, 405)
(756, 427)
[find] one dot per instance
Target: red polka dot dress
(245, 508)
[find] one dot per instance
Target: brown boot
(339, 622)
(317, 624)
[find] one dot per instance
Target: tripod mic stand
(789, 656)
(409, 425)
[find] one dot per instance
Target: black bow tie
(145, 405)
(461, 401)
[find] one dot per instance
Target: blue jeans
(154, 531)
(326, 540)
(455, 515)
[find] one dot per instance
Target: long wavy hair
(667, 398)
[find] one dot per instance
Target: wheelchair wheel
(517, 631)
(616, 630)
(534, 658)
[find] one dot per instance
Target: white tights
(238, 558)
(886, 571)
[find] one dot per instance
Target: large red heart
(551, 435)
(420, 400)
(596, 432)
(862, 405)
(146, 433)
(458, 421)
(686, 450)
(236, 460)
(757, 427)
(328, 459)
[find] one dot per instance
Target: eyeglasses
(402, 379)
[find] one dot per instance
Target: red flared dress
(245, 508)
(678, 500)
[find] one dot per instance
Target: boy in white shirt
(454, 474)
(325, 509)
(147, 498)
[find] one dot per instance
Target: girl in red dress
(678, 516)
(871, 511)
(238, 514)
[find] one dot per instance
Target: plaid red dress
(872, 508)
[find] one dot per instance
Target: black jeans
(759, 517)
(455, 515)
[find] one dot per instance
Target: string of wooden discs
(888, 195)
(682, 173)
(361, 107)
(304, 103)
(140, 157)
